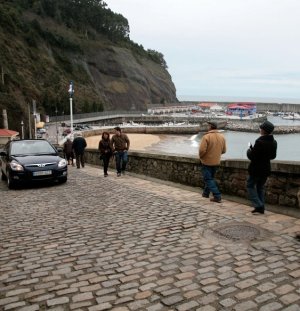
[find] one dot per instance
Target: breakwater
(251, 126)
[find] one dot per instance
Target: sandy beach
(138, 142)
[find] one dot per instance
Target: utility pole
(2, 75)
(34, 116)
(5, 122)
(29, 121)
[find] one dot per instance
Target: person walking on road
(68, 151)
(212, 146)
(105, 149)
(79, 145)
(120, 144)
(264, 150)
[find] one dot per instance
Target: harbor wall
(282, 187)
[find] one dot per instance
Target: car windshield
(32, 147)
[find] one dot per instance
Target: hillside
(43, 48)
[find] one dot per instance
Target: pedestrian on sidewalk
(105, 150)
(120, 144)
(79, 145)
(212, 146)
(264, 150)
(68, 151)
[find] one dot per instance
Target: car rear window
(31, 147)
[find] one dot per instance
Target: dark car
(32, 160)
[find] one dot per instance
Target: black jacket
(260, 154)
(79, 144)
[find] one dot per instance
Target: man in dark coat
(259, 169)
(79, 144)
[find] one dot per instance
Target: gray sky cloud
(246, 48)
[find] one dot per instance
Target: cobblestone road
(126, 243)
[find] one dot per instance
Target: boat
(291, 116)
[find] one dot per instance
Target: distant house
(241, 109)
(205, 107)
(6, 135)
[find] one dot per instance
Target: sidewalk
(126, 243)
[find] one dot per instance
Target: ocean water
(237, 143)
(239, 99)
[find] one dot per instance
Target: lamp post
(22, 129)
(56, 125)
(71, 92)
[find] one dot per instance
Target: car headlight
(15, 166)
(62, 163)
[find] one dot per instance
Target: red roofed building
(6, 135)
(241, 109)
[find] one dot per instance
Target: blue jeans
(121, 160)
(256, 191)
(210, 185)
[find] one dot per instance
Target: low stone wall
(282, 187)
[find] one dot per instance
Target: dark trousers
(256, 191)
(70, 156)
(210, 185)
(121, 160)
(105, 158)
(79, 159)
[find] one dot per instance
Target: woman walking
(105, 149)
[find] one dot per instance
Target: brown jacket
(120, 143)
(212, 145)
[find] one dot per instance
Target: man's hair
(117, 128)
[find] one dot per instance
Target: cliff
(39, 56)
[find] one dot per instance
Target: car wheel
(11, 184)
(63, 180)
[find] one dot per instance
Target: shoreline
(138, 142)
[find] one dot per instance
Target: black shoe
(204, 195)
(257, 211)
(105, 175)
(216, 200)
(118, 174)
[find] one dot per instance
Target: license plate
(42, 173)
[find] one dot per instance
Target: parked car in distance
(31, 160)
(41, 131)
(66, 132)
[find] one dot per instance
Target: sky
(222, 48)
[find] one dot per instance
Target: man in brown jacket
(120, 144)
(212, 146)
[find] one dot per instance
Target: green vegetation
(42, 45)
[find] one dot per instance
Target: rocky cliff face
(126, 81)
(38, 65)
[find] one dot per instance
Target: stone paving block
(14, 305)
(30, 308)
(82, 297)
(273, 306)
(247, 305)
(172, 300)
(290, 298)
(58, 301)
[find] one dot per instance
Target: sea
(237, 143)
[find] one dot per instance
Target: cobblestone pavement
(127, 243)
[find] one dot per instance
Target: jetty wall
(282, 187)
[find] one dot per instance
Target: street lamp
(22, 129)
(71, 92)
(56, 125)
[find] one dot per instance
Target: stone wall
(282, 187)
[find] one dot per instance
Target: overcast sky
(223, 48)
